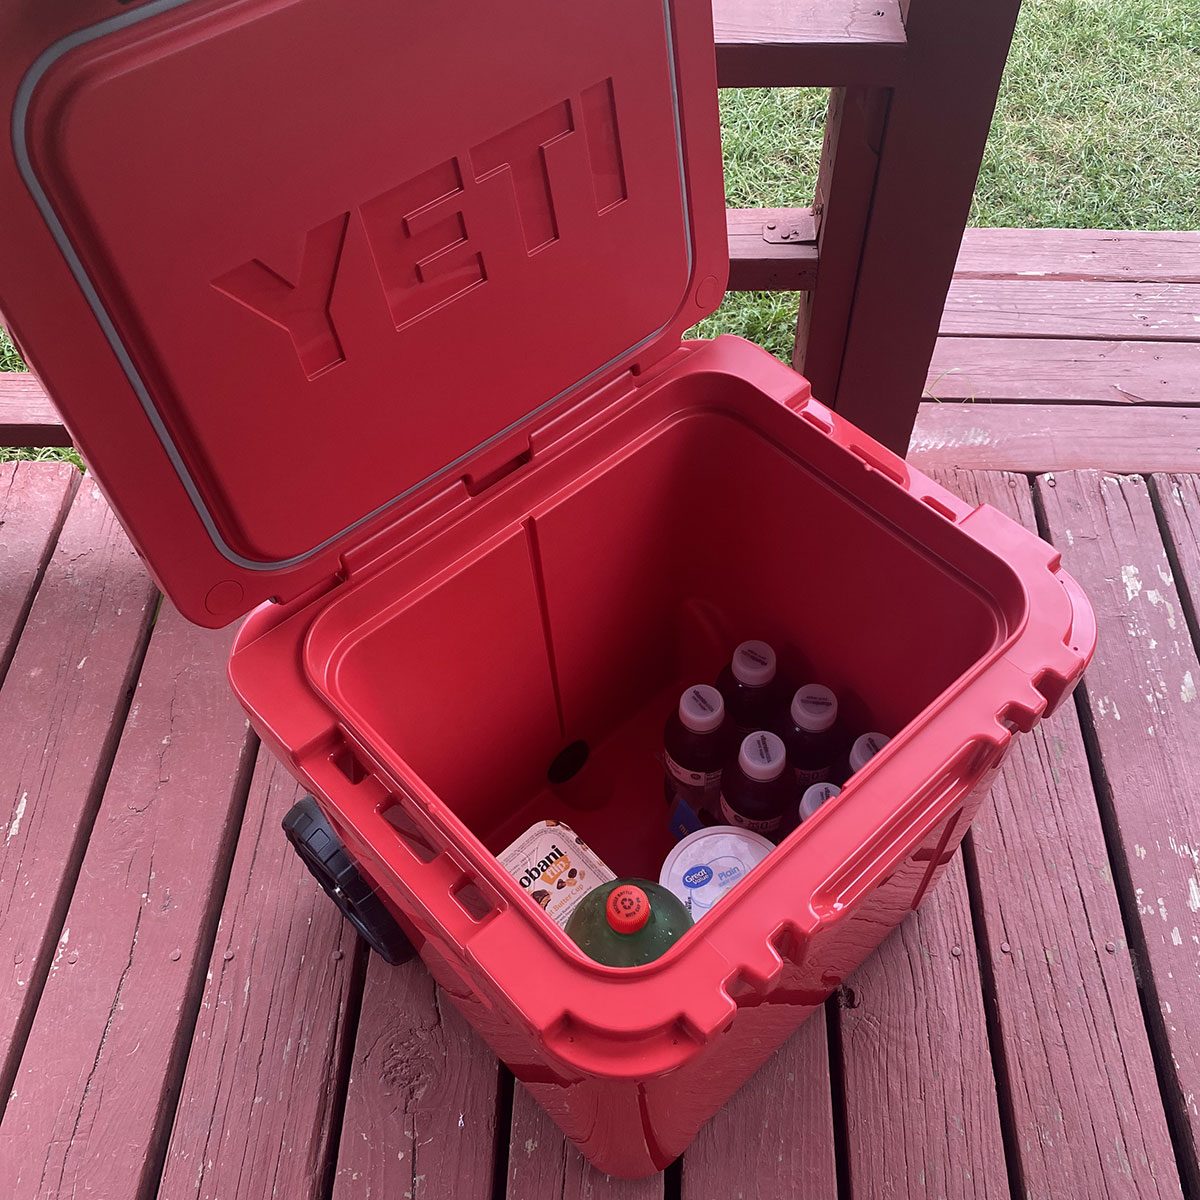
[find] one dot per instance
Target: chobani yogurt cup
(707, 864)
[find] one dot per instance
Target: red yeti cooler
(368, 320)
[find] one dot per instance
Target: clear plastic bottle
(749, 687)
(865, 748)
(628, 922)
(811, 735)
(696, 743)
(757, 791)
(816, 795)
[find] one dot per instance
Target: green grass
(1096, 126)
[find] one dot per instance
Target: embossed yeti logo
(420, 234)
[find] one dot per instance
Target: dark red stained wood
(923, 189)
(822, 43)
(1074, 372)
(921, 1108)
(258, 1100)
(774, 1139)
(542, 1163)
(1087, 1117)
(1085, 254)
(91, 1102)
(1056, 437)
(33, 503)
(854, 126)
(61, 711)
(27, 418)
(1033, 308)
(420, 1117)
(756, 264)
(1141, 693)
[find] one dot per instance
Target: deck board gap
(76, 851)
(505, 1085)
(837, 1095)
(1147, 991)
(1002, 1074)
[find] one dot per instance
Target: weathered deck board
(27, 418)
(1120, 256)
(542, 1163)
(921, 1109)
(34, 498)
(1145, 723)
(774, 1139)
(1034, 438)
(1023, 308)
(420, 1117)
(91, 1100)
(62, 707)
(1065, 995)
(772, 43)
(759, 265)
(256, 1109)
(1063, 371)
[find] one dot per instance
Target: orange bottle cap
(628, 908)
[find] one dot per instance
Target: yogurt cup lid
(814, 708)
(701, 708)
(704, 867)
(865, 748)
(753, 664)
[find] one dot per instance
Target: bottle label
(735, 818)
(818, 775)
(696, 779)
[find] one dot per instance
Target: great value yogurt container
(708, 864)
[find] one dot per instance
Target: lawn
(1097, 125)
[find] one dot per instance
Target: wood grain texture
(255, 1113)
(27, 417)
(420, 1117)
(1065, 371)
(34, 498)
(822, 43)
(921, 1109)
(91, 1102)
(922, 197)
(1034, 438)
(1085, 1111)
(774, 1139)
(1098, 255)
(758, 265)
(62, 707)
(1144, 722)
(543, 1164)
(1027, 308)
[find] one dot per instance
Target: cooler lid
(285, 265)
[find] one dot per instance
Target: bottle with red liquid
(696, 743)
(749, 687)
(757, 791)
(811, 735)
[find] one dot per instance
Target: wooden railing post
(894, 213)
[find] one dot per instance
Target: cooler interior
(585, 621)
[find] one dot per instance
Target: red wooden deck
(182, 1014)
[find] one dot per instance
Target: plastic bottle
(811, 735)
(628, 922)
(816, 795)
(757, 792)
(748, 685)
(865, 748)
(696, 742)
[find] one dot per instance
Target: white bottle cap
(754, 664)
(814, 708)
(865, 748)
(815, 796)
(762, 756)
(701, 708)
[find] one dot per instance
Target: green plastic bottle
(627, 922)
